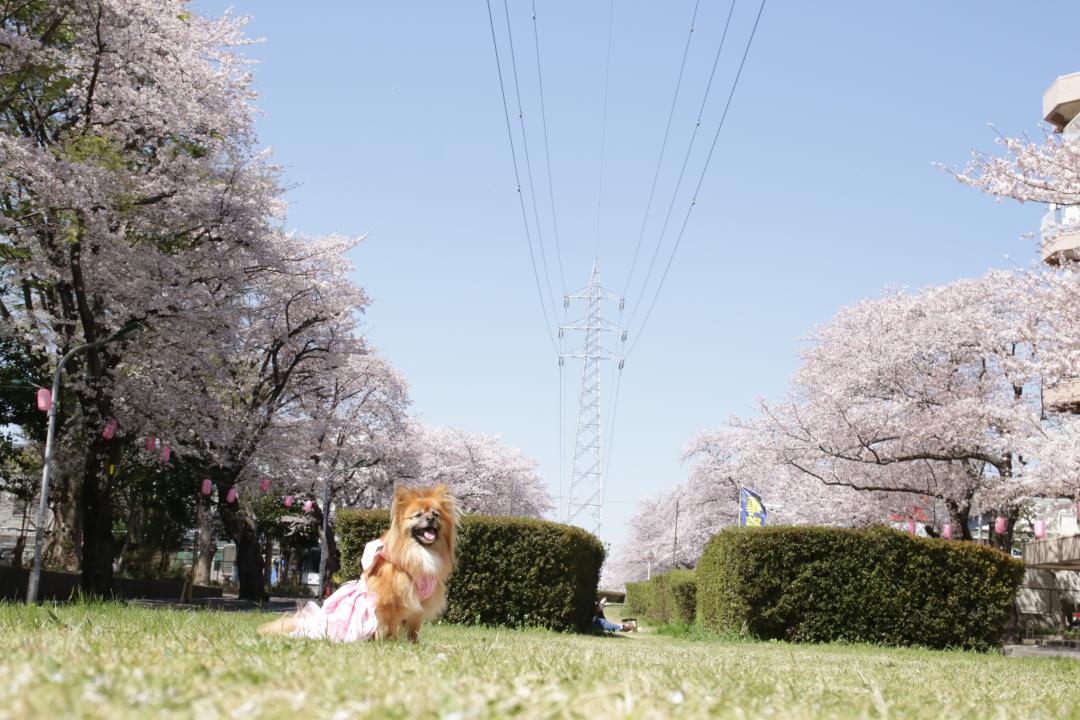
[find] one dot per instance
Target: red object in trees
(946, 531)
(911, 526)
(44, 400)
(110, 429)
(265, 485)
(166, 453)
(230, 497)
(999, 526)
(289, 499)
(151, 443)
(1040, 529)
(308, 506)
(206, 486)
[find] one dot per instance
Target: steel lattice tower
(586, 501)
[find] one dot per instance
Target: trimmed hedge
(639, 598)
(667, 598)
(510, 571)
(881, 586)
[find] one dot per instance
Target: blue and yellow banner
(751, 508)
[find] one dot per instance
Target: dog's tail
(284, 625)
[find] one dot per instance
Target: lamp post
(43, 506)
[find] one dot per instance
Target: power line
(517, 179)
(603, 125)
(685, 162)
(528, 162)
(663, 147)
(701, 178)
(547, 150)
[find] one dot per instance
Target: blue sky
(388, 121)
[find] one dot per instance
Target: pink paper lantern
(999, 526)
(206, 486)
(166, 453)
(946, 531)
(265, 485)
(1040, 529)
(230, 497)
(911, 526)
(44, 400)
(308, 506)
(289, 500)
(110, 429)
(151, 443)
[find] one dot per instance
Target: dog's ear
(402, 497)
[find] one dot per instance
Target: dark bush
(667, 598)
(878, 586)
(510, 571)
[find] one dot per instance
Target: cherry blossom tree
(130, 191)
(934, 393)
(1042, 172)
(484, 474)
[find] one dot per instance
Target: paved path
(226, 603)
(1040, 651)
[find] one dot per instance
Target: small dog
(404, 579)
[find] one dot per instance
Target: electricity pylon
(585, 506)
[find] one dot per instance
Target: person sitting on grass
(603, 623)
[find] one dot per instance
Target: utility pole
(585, 506)
(675, 537)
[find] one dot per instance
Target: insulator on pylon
(560, 333)
(621, 363)
(624, 336)
(566, 301)
(560, 361)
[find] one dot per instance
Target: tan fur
(398, 608)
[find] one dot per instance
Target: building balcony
(1060, 229)
(1063, 397)
(1061, 101)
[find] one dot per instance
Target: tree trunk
(205, 547)
(249, 564)
(96, 511)
(960, 517)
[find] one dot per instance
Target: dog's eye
(435, 513)
(416, 515)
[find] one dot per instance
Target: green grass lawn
(116, 661)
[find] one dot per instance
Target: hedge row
(510, 571)
(667, 598)
(877, 586)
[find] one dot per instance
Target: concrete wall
(63, 586)
(1043, 596)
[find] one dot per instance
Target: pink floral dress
(349, 614)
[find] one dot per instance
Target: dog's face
(427, 517)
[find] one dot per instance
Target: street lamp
(43, 505)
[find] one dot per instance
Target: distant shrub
(670, 598)
(639, 599)
(878, 586)
(510, 570)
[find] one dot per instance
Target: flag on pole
(751, 508)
